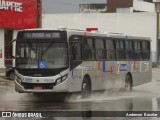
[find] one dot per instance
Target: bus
(68, 60)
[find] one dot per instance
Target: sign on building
(19, 14)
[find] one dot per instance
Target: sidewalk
(156, 69)
(3, 79)
(2, 74)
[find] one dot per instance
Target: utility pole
(38, 13)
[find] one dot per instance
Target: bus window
(88, 49)
(146, 50)
(110, 49)
(137, 50)
(99, 49)
(78, 55)
(120, 53)
(129, 50)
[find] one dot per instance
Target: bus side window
(129, 50)
(88, 49)
(99, 49)
(137, 50)
(110, 49)
(120, 50)
(146, 50)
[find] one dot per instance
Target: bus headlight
(64, 78)
(60, 80)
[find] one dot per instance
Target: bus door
(75, 43)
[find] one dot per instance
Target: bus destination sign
(42, 35)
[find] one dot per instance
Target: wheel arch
(89, 80)
(131, 78)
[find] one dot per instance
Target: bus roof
(92, 33)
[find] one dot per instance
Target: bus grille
(42, 85)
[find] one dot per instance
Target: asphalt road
(145, 97)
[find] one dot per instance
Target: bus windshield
(51, 55)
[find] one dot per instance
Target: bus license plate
(37, 87)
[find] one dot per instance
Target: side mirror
(13, 41)
(13, 57)
(12, 48)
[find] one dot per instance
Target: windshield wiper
(47, 48)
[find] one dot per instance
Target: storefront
(16, 15)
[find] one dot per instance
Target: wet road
(143, 98)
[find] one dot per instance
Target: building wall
(138, 24)
(23, 16)
(148, 0)
(2, 48)
(143, 6)
(92, 8)
(113, 4)
(157, 7)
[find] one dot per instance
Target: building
(16, 15)
(121, 6)
(134, 24)
(129, 6)
(92, 8)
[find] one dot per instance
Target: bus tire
(128, 83)
(12, 76)
(86, 88)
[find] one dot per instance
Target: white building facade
(135, 24)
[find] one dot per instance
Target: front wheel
(128, 83)
(86, 88)
(12, 76)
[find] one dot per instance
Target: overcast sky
(65, 6)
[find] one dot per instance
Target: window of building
(8, 36)
(123, 10)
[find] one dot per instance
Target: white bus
(67, 61)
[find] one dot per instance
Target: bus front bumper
(62, 87)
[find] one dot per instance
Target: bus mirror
(12, 48)
(13, 57)
(13, 41)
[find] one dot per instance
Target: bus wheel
(128, 83)
(12, 76)
(86, 88)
